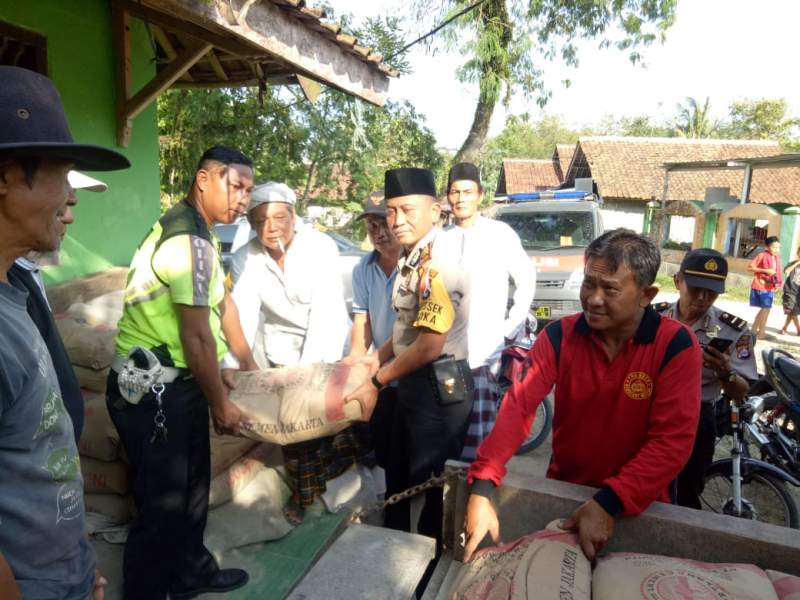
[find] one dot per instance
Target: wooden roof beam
(217, 66)
(129, 105)
(304, 50)
(173, 23)
(163, 40)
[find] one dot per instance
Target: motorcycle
(512, 364)
(751, 488)
(778, 429)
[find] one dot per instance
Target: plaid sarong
(310, 465)
(484, 408)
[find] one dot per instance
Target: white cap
(79, 181)
(272, 191)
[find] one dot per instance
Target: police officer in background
(729, 363)
(427, 352)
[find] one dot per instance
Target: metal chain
(436, 481)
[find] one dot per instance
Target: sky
(723, 49)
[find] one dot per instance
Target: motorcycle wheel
(765, 498)
(542, 424)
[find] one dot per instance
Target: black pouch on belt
(452, 379)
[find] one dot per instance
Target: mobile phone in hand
(720, 344)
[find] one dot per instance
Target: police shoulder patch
(733, 321)
(661, 306)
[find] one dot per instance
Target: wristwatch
(376, 382)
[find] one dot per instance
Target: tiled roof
(562, 156)
(313, 18)
(527, 175)
(628, 168)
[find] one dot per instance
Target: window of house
(22, 48)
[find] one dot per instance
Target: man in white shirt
(287, 285)
(493, 255)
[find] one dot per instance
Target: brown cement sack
(235, 478)
(99, 438)
(226, 449)
(90, 379)
(87, 346)
(120, 509)
(103, 310)
(627, 576)
(254, 515)
(546, 565)
(295, 404)
(787, 587)
(101, 477)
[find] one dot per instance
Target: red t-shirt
(628, 424)
(761, 281)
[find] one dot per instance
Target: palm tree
(693, 120)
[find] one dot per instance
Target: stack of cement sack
(89, 330)
(248, 493)
(105, 474)
(549, 565)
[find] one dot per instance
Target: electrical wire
(435, 30)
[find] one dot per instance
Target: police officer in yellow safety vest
(427, 352)
(178, 322)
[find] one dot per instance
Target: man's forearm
(201, 358)
(386, 352)
(425, 348)
(232, 328)
(361, 335)
(736, 389)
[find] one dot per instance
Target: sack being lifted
(296, 404)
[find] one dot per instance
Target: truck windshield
(543, 231)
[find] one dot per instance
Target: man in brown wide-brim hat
(43, 534)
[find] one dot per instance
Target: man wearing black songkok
(493, 256)
(428, 350)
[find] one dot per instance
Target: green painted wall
(787, 236)
(108, 226)
(710, 229)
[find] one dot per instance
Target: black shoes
(224, 580)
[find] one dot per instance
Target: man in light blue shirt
(373, 315)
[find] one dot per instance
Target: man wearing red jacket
(626, 398)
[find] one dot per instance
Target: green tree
(190, 121)
(694, 120)
(522, 138)
(336, 148)
(506, 41)
(761, 119)
(636, 126)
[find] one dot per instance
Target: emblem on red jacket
(638, 385)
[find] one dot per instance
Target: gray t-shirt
(42, 528)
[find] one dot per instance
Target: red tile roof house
(629, 172)
(527, 175)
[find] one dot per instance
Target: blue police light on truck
(548, 195)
